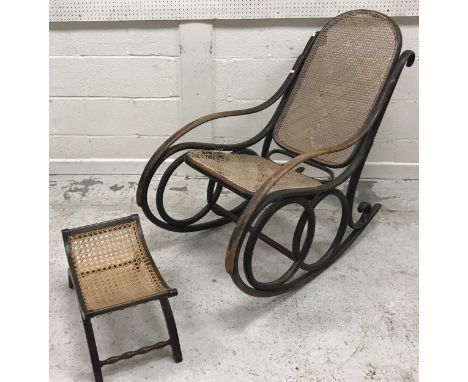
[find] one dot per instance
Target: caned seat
(243, 172)
(112, 266)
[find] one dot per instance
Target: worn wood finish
(264, 202)
(260, 199)
(133, 353)
(93, 352)
(172, 329)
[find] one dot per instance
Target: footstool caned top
(111, 265)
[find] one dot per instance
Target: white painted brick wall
(249, 79)
(76, 147)
(114, 76)
(137, 38)
(118, 89)
(263, 38)
(114, 93)
(113, 116)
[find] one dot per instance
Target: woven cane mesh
(338, 84)
(112, 267)
(244, 172)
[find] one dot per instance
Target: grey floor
(357, 321)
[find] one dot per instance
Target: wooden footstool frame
(111, 268)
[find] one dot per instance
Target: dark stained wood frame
(265, 203)
(86, 314)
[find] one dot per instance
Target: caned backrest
(339, 83)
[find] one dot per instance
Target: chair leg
(93, 353)
(70, 282)
(171, 328)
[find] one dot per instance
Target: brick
(109, 116)
(196, 68)
(249, 79)
(263, 38)
(382, 151)
(401, 120)
(407, 87)
(114, 38)
(409, 27)
(407, 151)
(243, 126)
(114, 76)
(103, 147)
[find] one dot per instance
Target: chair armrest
(259, 197)
(223, 114)
(406, 58)
(231, 113)
(160, 153)
(159, 156)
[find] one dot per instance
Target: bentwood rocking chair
(332, 103)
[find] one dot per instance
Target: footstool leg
(171, 328)
(70, 282)
(93, 353)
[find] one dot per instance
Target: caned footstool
(111, 268)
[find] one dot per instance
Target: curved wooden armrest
(210, 117)
(153, 163)
(406, 58)
(232, 113)
(259, 197)
(161, 153)
(155, 160)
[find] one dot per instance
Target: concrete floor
(357, 321)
